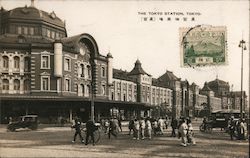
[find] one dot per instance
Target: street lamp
(243, 47)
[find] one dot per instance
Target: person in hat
(77, 127)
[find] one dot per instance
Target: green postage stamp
(203, 46)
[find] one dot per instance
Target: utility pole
(243, 47)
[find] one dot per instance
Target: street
(49, 141)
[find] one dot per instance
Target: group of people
(90, 129)
(237, 129)
(141, 128)
(185, 132)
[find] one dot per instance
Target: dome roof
(32, 13)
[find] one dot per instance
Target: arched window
(103, 90)
(16, 62)
(5, 62)
(89, 71)
(26, 64)
(67, 84)
(16, 85)
(82, 89)
(5, 84)
(26, 85)
(88, 90)
(82, 70)
(103, 71)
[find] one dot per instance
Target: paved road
(56, 142)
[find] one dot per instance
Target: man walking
(77, 126)
(90, 129)
(174, 127)
(183, 132)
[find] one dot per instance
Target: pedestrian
(155, 127)
(106, 126)
(130, 126)
(142, 128)
(231, 127)
(183, 132)
(242, 130)
(136, 129)
(174, 124)
(77, 126)
(161, 125)
(166, 122)
(113, 128)
(90, 129)
(148, 128)
(190, 133)
(120, 124)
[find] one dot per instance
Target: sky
(119, 28)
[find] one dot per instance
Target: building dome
(32, 24)
(32, 13)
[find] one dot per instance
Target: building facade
(43, 71)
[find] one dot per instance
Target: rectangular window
(53, 34)
(57, 35)
(45, 83)
(25, 30)
(19, 30)
(48, 33)
(45, 62)
(31, 31)
(67, 64)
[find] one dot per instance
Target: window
(124, 97)
(112, 96)
(89, 71)
(31, 31)
(45, 83)
(48, 33)
(16, 62)
(45, 62)
(16, 85)
(26, 85)
(88, 89)
(82, 90)
(52, 34)
(67, 64)
(119, 96)
(5, 62)
(26, 64)
(5, 84)
(82, 70)
(57, 35)
(19, 30)
(67, 85)
(103, 71)
(25, 30)
(103, 90)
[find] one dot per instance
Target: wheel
(97, 135)
(209, 128)
(202, 127)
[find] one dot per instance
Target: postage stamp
(203, 46)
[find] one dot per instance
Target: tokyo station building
(45, 72)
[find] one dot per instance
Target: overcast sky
(118, 27)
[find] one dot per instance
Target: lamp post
(92, 104)
(243, 47)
